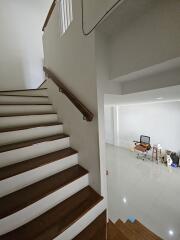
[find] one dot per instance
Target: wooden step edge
(22, 90)
(125, 230)
(9, 147)
(57, 219)
(26, 96)
(26, 196)
(30, 127)
(139, 228)
(96, 230)
(114, 232)
(30, 164)
(119, 221)
(25, 114)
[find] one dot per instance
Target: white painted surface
(83, 77)
(156, 69)
(82, 223)
(72, 59)
(143, 57)
(36, 150)
(103, 86)
(155, 81)
(109, 124)
(168, 94)
(37, 92)
(16, 121)
(12, 109)
(160, 121)
(24, 179)
(29, 134)
(151, 192)
(23, 100)
(36, 209)
(21, 43)
(95, 10)
(152, 37)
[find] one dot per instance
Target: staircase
(45, 193)
(130, 231)
(114, 233)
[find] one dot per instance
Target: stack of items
(172, 159)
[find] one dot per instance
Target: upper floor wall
(147, 35)
(94, 10)
(81, 62)
(71, 57)
(21, 48)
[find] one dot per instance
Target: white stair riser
(22, 154)
(82, 223)
(7, 122)
(27, 214)
(22, 180)
(26, 93)
(12, 109)
(23, 100)
(29, 134)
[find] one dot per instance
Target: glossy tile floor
(143, 189)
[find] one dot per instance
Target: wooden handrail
(49, 14)
(87, 115)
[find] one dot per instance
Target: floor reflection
(143, 189)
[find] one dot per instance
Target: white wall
(109, 125)
(151, 38)
(160, 121)
(21, 48)
(72, 58)
(94, 10)
(103, 86)
(82, 63)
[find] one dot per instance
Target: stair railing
(87, 114)
(49, 14)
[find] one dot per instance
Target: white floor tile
(148, 191)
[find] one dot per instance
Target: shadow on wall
(21, 74)
(11, 76)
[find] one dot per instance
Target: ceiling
(168, 94)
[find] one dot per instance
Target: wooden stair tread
(96, 230)
(21, 167)
(24, 197)
(141, 230)
(114, 233)
(136, 231)
(25, 114)
(29, 127)
(28, 143)
(56, 220)
(128, 232)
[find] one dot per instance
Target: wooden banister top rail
(49, 14)
(87, 115)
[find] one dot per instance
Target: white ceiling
(161, 68)
(153, 96)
